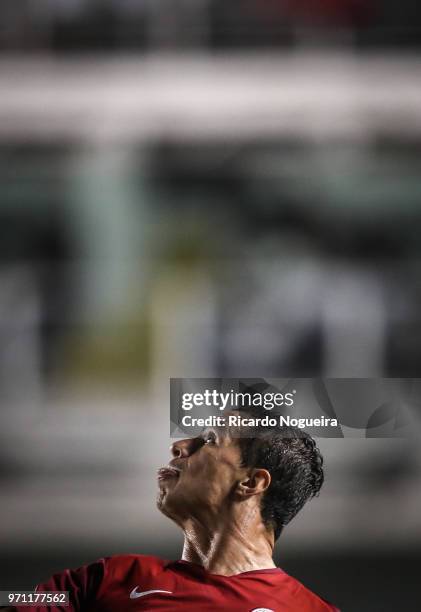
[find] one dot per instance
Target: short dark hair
(295, 464)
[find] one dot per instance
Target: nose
(182, 448)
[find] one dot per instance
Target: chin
(168, 506)
(162, 501)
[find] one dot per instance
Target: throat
(229, 552)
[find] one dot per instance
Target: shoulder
(306, 598)
(119, 566)
(123, 572)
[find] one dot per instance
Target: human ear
(256, 482)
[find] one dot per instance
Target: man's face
(201, 478)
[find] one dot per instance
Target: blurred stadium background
(199, 188)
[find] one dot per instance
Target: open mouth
(168, 472)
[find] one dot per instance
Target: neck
(232, 544)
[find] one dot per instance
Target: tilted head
(211, 474)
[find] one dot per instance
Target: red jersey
(137, 583)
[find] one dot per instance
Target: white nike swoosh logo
(134, 594)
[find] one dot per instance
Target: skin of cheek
(219, 470)
(205, 486)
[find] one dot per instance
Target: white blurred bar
(126, 99)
